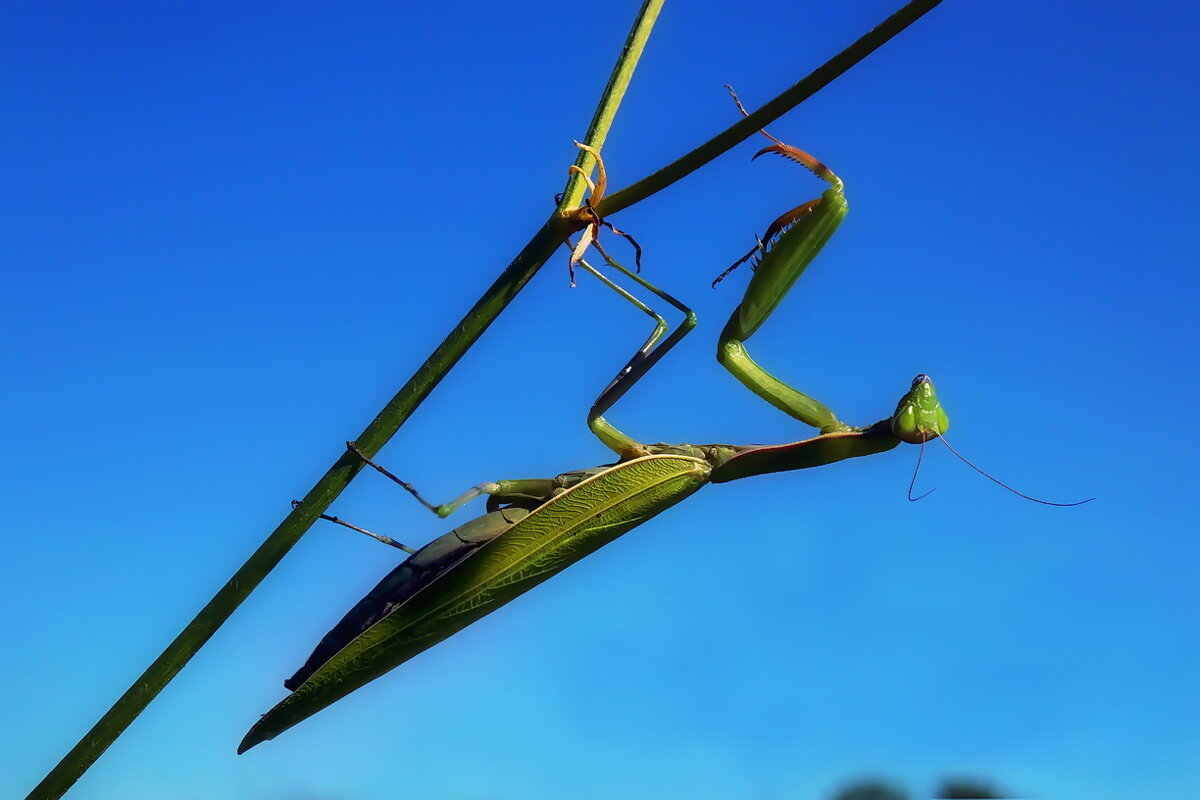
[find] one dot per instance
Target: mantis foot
(589, 218)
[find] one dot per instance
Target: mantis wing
(414, 573)
(549, 539)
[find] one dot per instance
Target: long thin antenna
(964, 459)
(913, 482)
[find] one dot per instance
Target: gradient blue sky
(230, 231)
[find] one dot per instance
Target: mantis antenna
(916, 471)
(982, 472)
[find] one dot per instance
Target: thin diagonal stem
(798, 93)
(614, 92)
(535, 253)
(210, 618)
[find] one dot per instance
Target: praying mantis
(534, 528)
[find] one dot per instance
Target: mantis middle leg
(646, 356)
(531, 492)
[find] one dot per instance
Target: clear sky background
(229, 232)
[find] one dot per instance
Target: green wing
(551, 538)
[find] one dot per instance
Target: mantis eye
(917, 381)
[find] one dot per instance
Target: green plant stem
(543, 244)
(539, 249)
(635, 43)
(135, 699)
(773, 110)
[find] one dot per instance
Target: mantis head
(919, 416)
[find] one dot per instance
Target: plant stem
(614, 92)
(792, 97)
(539, 248)
(383, 427)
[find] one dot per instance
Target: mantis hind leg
(653, 349)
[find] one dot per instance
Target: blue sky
(230, 232)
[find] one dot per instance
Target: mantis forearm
(732, 354)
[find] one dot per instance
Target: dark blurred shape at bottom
(950, 789)
(871, 790)
(967, 789)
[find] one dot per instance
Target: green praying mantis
(534, 528)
